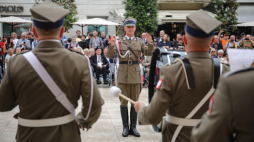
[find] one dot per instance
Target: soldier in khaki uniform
(229, 118)
(47, 83)
(129, 49)
(174, 94)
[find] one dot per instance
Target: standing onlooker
(217, 45)
(242, 36)
(23, 42)
(144, 38)
(223, 40)
(8, 56)
(77, 34)
(213, 53)
(231, 43)
(78, 39)
(74, 44)
(68, 43)
(34, 43)
(2, 44)
(90, 36)
(30, 38)
(9, 44)
(87, 35)
(95, 41)
(14, 38)
(164, 42)
(104, 39)
(162, 32)
(82, 43)
(246, 43)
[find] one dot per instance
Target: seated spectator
(246, 43)
(180, 45)
(231, 43)
(91, 53)
(79, 49)
(111, 65)
(220, 53)
(9, 44)
(217, 45)
(73, 42)
(213, 53)
(100, 64)
(82, 43)
(164, 42)
(86, 52)
(23, 42)
(7, 57)
(68, 43)
(155, 42)
(17, 51)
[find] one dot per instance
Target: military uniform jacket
(231, 113)
(130, 74)
(174, 97)
(22, 86)
(147, 61)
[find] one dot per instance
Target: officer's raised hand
(148, 38)
(113, 41)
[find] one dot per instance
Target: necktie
(130, 40)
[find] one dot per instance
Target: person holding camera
(232, 43)
(246, 43)
(23, 42)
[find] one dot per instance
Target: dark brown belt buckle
(129, 62)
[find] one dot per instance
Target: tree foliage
(70, 18)
(226, 13)
(145, 11)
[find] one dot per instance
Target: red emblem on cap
(211, 104)
(158, 86)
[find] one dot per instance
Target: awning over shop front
(164, 16)
(245, 13)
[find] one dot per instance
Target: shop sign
(11, 8)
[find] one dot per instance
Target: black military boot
(124, 114)
(133, 131)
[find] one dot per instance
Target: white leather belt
(46, 122)
(182, 121)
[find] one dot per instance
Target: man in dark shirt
(217, 45)
(180, 44)
(88, 40)
(104, 39)
(82, 43)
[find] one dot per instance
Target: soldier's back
(36, 101)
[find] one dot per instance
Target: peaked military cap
(200, 24)
(48, 15)
(130, 21)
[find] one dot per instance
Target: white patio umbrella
(13, 21)
(247, 24)
(96, 22)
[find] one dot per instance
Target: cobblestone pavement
(107, 129)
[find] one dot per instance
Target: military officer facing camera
(47, 92)
(129, 49)
(185, 86)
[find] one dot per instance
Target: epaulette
(238, 71)
(76, 52)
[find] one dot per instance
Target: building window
(97, 27)
(19, 29)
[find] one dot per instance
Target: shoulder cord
(122, 56)
(132, 51)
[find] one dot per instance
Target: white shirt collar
(129, 37)
(54, 40)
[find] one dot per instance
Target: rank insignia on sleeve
(211, 104)
(158, 86)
